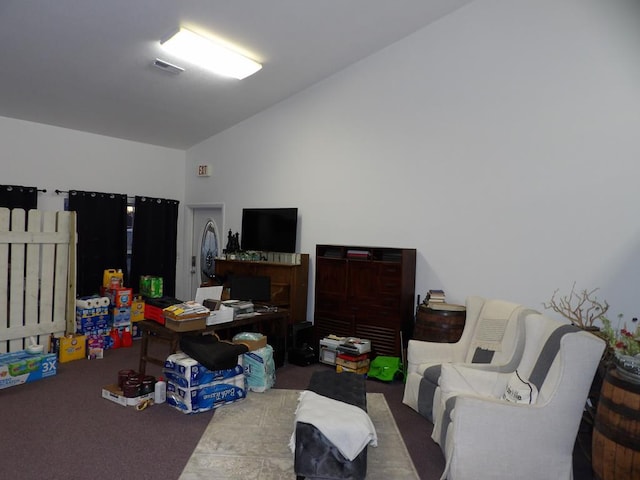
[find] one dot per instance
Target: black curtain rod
(66, 192)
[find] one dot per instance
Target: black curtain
(16, 196)
(102, 237)
(155, 232)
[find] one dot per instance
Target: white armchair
(486, 431)
(493, 335)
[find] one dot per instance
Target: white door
(206, 244)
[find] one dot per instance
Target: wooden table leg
(144, 348)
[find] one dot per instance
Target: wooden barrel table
(615, 449)
(442, 323)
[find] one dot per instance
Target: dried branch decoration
(580, 308)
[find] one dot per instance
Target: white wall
(501, 142)
(56, 158)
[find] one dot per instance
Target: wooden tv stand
(289, 283)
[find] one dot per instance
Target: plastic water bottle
(160, 391)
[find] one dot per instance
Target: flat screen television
(269, 229)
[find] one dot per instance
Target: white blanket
(346, 426)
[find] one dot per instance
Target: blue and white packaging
(206, 397)
(187, 372)
(21, 367)
(260, 369)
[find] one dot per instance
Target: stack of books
(358, 254)
(346, 362)
(435, 297)
(353, 356)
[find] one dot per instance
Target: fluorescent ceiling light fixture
(210, 55)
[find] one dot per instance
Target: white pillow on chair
(519, 390)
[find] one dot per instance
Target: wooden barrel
(442, 323)
(615, 449)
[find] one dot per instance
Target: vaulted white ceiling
(88, 64)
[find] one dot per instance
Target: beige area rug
(250, 440)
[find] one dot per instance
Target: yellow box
(361, 370)
(72, 347)
(137, 309)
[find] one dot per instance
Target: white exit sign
(204, 170)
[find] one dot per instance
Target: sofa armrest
(419, 352)
(460, 379)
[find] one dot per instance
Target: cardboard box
(151, 286)
(185, 316)
(361, 370)
(118, 297)
(207, 397)
(186, 325)
(72, 347)
(352, 365)
(21, 367)
(187, 372)
(114, 393)
(99, 325)
(222, 315)
(121, 317)
(137, 309)
(95, 346)
(252, 345)
(85, 312)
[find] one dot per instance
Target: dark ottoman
(317, 457)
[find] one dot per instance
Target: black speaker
(301, 333)
(301, 352)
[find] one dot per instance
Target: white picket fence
(37, 276)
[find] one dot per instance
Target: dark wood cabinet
(289, 283)
(366, 292)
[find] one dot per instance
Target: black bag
(211, 352)
(303, 356)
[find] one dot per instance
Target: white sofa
(493, 336)
(526, 431)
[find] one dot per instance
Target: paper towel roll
(85, 303)
(104, 302)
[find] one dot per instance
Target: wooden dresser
(365, 292)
